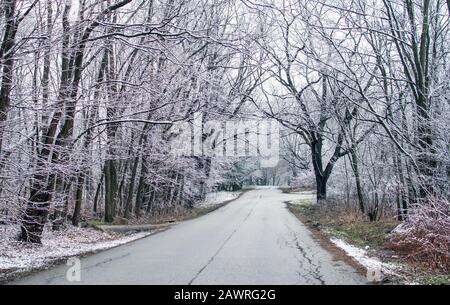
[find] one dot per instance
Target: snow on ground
(375, 268)
(218, 197)
(303, 196)
(17, 257)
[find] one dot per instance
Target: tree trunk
(321, 178)
(7, 60)
(321, 189)
(60, 211)
(78, 200)
(110, 191)
(355, 167)
(47, 63)
(35, 217)
(129, 198)
(402, 202)
(97, 192)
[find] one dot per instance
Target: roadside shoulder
(345, 248)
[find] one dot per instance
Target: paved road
(253, 240)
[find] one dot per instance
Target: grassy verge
(354, 231)
(349, 226)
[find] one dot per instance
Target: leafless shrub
(425, 237)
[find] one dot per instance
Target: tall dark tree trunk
(402, 203)
(78, 200)
(139, 195)
(129, 198)
(47, 63)
(111, 188)
(60, 210)
(355, 168)
(320, 175)
(36, 213)
(321, 189)
(7, 60)
(97, 192)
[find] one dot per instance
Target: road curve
(252, 240)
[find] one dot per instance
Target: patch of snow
(375, 267)
(400, 229)
(218, 197)
(302, 197)
(19, 257)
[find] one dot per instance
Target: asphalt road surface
(252, 240)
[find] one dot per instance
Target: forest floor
(18, 259)
(365, 242)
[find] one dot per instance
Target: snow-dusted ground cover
(303, 196)
(218, 198)
(376, 269)
(17, 257)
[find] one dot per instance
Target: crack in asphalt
(50, 279)
(313, 270)
(107, 261)
(315, 273)
(220, 248)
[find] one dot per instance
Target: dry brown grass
(339, 215)
(425, 245)
(425, 237)
(347, 222)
